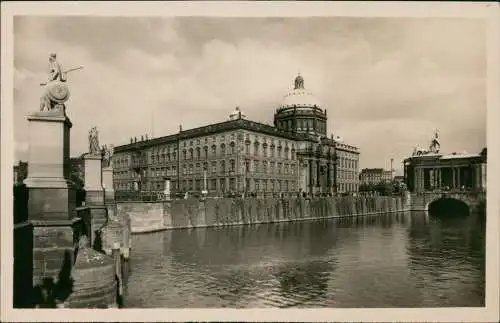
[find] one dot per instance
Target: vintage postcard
(250, 161)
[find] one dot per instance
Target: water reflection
(394, 260)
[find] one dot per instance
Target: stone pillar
(94, 192)
(439, 178)
(311, 176)
(108, 186)
(459, 182)
(483, 176)
(52, 197)
(454, 177)
(167, 189)
(477, 178)
(318, 174)
(93, 180)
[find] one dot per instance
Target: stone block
(51, 203)
(48, 159)
(94, 196)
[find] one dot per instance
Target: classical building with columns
(241, 156)
(434, 171)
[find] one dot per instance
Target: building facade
(446, 172)
(347, 167)
(239, 155)
(429, 170)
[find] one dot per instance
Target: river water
(393, 260)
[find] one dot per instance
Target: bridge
(423, 201)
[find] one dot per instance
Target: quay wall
(195, 213)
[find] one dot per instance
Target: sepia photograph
(265, 158)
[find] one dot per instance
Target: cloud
(387, 83)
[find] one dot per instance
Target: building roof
(217, 128)
(458, 156)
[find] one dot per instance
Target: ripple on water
(397, 263)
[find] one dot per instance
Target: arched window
(214, 151)
(223, 150)
(205, 152)
(190, 153)
(198, 153)
(184, 154)
(256, 149)
(222, 166)
(231, 148)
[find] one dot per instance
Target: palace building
(242, 156)
(430, 170)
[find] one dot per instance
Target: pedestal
(93, 180)
(107, 184)
(51, 193)
(94, 193)
(52, 200)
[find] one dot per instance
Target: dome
(299, 97)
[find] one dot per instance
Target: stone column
(318, 174)
(440, 178)
(483, 176)
(477, 177)
(454, 176)
(311, 175)
(52, 197)
(459, 182)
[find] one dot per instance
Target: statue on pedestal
(94, 142)
(56, 90)
(435, 145)
(107, 153)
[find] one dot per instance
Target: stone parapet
(194, 213)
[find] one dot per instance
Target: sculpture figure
(94, 141)
(435, 145)
(107, 153)
(56, 90)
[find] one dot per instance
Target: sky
(386, 83)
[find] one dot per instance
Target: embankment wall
(193, 213)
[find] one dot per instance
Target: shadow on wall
(49, 294)
(448, 207)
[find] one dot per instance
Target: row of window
(199, 153)
(303, 124)
(254, 166)
(342, 174)
(347, 163)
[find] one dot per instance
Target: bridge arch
(449, 205)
